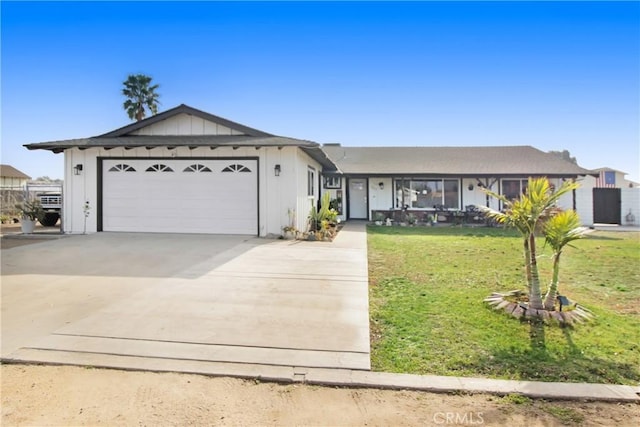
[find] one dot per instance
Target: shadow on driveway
(124, 254)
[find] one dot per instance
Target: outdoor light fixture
(276, 170)
(381, 185)
(77, 169)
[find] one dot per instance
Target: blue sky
(553, 75)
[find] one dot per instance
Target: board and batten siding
(185, 124)
(12, 183)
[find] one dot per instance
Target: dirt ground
(64, 395)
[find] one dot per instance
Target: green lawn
(427, 314)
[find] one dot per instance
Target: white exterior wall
(620, 181)
(276, 194)
(584, 206)
(380, 199)
(630, 209)
(78, 189)
(476, 196)
(584, 199)
(299, 178)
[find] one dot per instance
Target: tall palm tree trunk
(535, 294)
(552, 292)
(527, 263)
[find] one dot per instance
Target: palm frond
(139, 95)
(563, 228)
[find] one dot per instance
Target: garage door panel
(192, 202)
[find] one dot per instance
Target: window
(332, 182)
(514, 188)
(236, 168)
(311, 181)
(197, 168)
(159, 168)
(122, 168)
(427, 193)
(451, 196)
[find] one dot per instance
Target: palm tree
(559, 231)
(527, 215)
(139, 95)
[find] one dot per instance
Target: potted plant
(30, 211)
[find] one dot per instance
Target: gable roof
(244, 136)
(184, 109)
(9, 171)
(458, 161)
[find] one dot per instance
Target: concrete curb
(336, 377)
(442, 384)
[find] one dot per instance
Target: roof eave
(317, 154)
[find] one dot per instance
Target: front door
(358, 198)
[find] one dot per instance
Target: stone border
(576, 314)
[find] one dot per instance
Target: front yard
(427, 286)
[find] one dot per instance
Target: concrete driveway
(183, 302)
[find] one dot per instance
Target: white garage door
(180, 196)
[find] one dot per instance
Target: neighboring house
(606, 197)
(12, 179)
(188, 171)
(612, 178)
(13, 184)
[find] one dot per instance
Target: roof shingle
(459, 161)
(11, 172)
